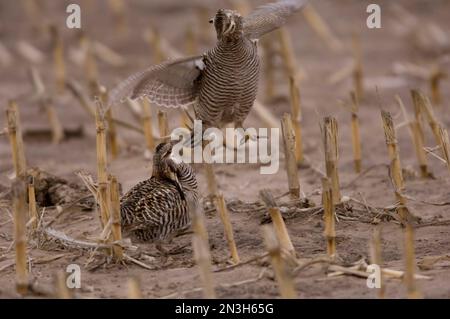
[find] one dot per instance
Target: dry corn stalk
(330, 140)
(269, 68)
(163, 125)
(58, 59)
(89, 64)
(289, 151)
(417, 138)
(410, 264)
(278, 222)
(211, 179)
(284, 280)
(115, 215)
(321, 28)
(395, 165)
(328, 210)
(32, 208)
(33, 10)
(62, 292)
(427, 110)
(147, 123)
(358, 70)
(297, 119)
(435, 80)
(134, 288)
(356, 136)
(57, 128)
(20, 235)
(200, 246)
(15, 139)
(376, 258)
(112, 134)
(102, 176)
(225, 218)
(445, 145)
(118, 9)
(46, 102)
(154, 39)
(288, 54)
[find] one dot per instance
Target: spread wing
(169, 84)
(270, 17)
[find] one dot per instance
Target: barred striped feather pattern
(154, 209)
(269, 17)
(229, 83)
(169, 84)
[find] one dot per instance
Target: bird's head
(228, 24)
(163, 164)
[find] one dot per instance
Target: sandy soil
(381, 49)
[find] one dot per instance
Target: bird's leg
(191, 119)
(178, 249)
(245, 138)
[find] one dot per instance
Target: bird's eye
(211, 21)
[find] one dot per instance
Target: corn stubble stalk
(46, 102)
(20, 235)
(200, 245)
(435, 80)
(321, 28)
(147, 124)
(287, 53)
(417, 139)
(330, 139)
(269, 68)
(278, 222)
(402, 210)
(33, 9)
(297, 118)
(117, 8)
(358, 69)
(15, 139)
(134, 288)
(55, 123)
(102, 176)
(111, 132)
(289, 151)
(395, 165)
(32, 208)
(445, 145)
(89, 64)
(115, 215)
(356, 136)
(410, 264)
(58, 59)
(225, 218)
(284, 279)
(163, 125)
(426, 109)
(61, 290)
(440, 134)
(376, 258)
(328, 210)
(154, 39)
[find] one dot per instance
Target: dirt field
(178, 276)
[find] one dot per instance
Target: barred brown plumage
(222, 83)
(156, 209)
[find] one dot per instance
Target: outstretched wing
(169, 84)
(270, 17)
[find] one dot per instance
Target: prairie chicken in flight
(222, 83)
(156, 209)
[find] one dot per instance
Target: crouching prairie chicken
(156, 210)
(222, 83)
